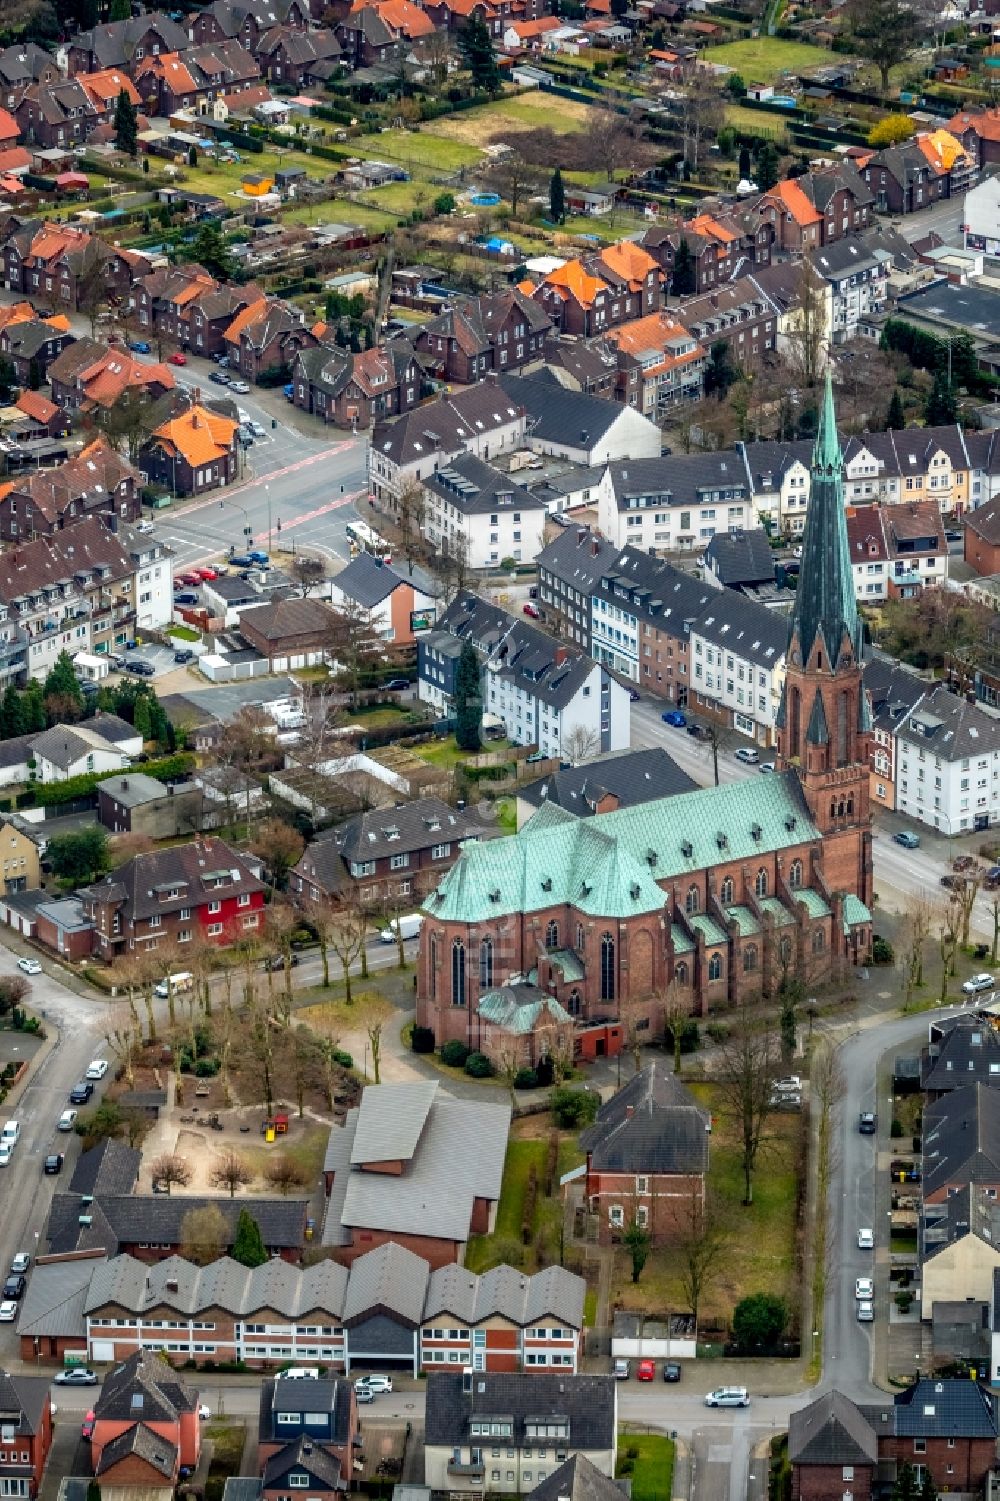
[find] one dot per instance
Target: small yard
(227, 1441)
(763, 59)
(446, 753)
(530, 1208)
(477, 127)
(647, 1459)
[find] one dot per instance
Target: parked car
(907, 840)
(241, 560)
(21, 1262)
(8, 1311)
(646, 1370)
(97, 1069)
(373, 1383)
(674, 717)
(87, 1426)
(397, 685)
(240, 387)
(621, 1370)
(747, 755)
(532, 610)
(258, 429)
(183, 657)
(257, 558)
(864, 1287)
(276, 962)
(67, 1120)
(218, 378)
(11, 1134)
(364, 1395)
(866, 1312)
(671, 1370)
(80, 1093)
(185, 598)
(977, 983)
(992, 878)
(29, 966)
(952, 883)
(53, 1163)
(14, 1286)
(788, 1084)
(177, 358)
(766, 766)
(77, 1375)
(138, 346)
(866, 1240)
(867, 1123)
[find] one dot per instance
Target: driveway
(160, 658)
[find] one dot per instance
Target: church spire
(825, 606)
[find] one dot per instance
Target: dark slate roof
(579, 557)
(964, 1051)
(447, 425)
(145, 1389)
(558, 415)
(368, 581)
(142, 1443)
(892, 690)
(945, 1409)
(109, 1168)
(126, 1219)
(632, 776)
(741, 557)
(577, 1479)
(473, 487)
(962, 1138)
(831, 1431)
(950, 727)
(738, 624)
(419, 825)
(243, 1488)
(971, 1211)
(587, 1401)
(678, 478)
(652, 1125)
(535, 661)
(332, 1396)
(185, 868)
(26, 1397)
(322, 1467)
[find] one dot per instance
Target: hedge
(54, 794)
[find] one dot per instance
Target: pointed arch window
(486, 964)
(726, 892)
(760, 884)
(715, 967)
(607, 967)
(749, 958)
(552, 935)
(795, 874)
(818, 940)
(692, 902)
(681, 973)
(785, 950)
(579, 937)
(434, 966)
(573, 1004)
(458, 973)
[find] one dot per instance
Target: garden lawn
(521, 1155)
(652, 1471)
(755, 121)
(476, 127)
(763, 59)
(425, 148)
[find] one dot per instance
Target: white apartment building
(736, 657)
(858, 282)
(469, 504)
(948, 764)
(675, 503)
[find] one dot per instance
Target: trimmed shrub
(422, 1040)
(478, 1066)
(453, 1054)
(526, 1078)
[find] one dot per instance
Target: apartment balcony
(473, 1470)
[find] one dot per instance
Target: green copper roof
(816, 905)
(744, 920)
(503, 1008)
(708, 928)
(609, 865)
(567, 964)
(825, 604)
(782, 917)
(681, 942)
(855, 911)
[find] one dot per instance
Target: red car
(533, 611)
(206, 574)
(190, 578)
(646, 1370)
(177, 358)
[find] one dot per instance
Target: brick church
(543, 937)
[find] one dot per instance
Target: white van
(300, 1373)
(409, 927)
(176, 984)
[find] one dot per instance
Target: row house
(25, 1434)
(186, 306)
(47, 260)
(286, 54)
(378, 32)
(97, 480)
(892, 691)
(675, 503)
(481, 420)
(483, 512)
(719, 247)
(193, 451)
(202, 887)
(85, 588)
(389, 1300)
(183, 80)
(585, 297)
(858, 278)
(354, 390)
(246, 21)
(266, 336)
(123, 44)
(496, 331)
(22, 65)
(452, 15)
(57, 114)
(104, 90)
(916, 173)
(818, 208)
(979, 133)
(87, 374)
(32, 344)
(659, 364)
(741, 314)
(897, 551)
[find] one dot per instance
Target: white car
(864, 1287)
(11, 1133)
(30, 966)
(866, 1313)
(790, 1084)
(8, 1312)
(5, 1154)
(97, 1069)
(728, 1396)
(373, 1384)
(866, 1240)
(977, 983)
(67, 1120)
(20, 1263)
(204, 1412)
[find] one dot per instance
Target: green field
(648, 1459)
(414, 149)
(762, 59)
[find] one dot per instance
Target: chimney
(595, 548)
(124, 784)
(560, 656)
(629, 1112)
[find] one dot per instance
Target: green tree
(895, 418)
(759, 1322)
(248, 1247)
(468, 699)
(120, 10)
(574, 1108)
(768, 167)
(941, 408)
(683, 280)
(638, 1240)
(905, 1488)
(140, 718)
(126, 124)
(8, 379)
(746, 164)
(81, 856)
(479, 55)
(211, 251)
(720, 374)
(61, 691)
(12, 716)
(557, 198)
(736, 85)
(33, 702)
(193, 156)
(928, 1490)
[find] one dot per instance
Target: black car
(867, 1123)
(218, 377)
(277, 961)
(185, 598)
(397, 685)
(53, 1163)
(240, 560)
(182, 658)
(144, 669)
(14, 1286)
(671, 1370)
(80, 1093)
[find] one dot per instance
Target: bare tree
(611, 138)
(964, 895)
(279, 845)
(204, 1235)
(352, 644)
(374, 1012)
(701, 1244)
(124, 1042)
(243, 749)
(995, 910)
(322, 920)
(411, 515)
(750, 1061)
(231, 1173)
(807, 333)
(514, 178)
(438, 52)
(284, 1174)
(947, 937)
(580, 744)
(911, 952)
(701, 114)
(171, 1169)
(348, 936)
(307, 571)
(508, 1066)
(675, 1013)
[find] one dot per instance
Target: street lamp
(247, 529)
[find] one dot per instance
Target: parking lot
(160, 658)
